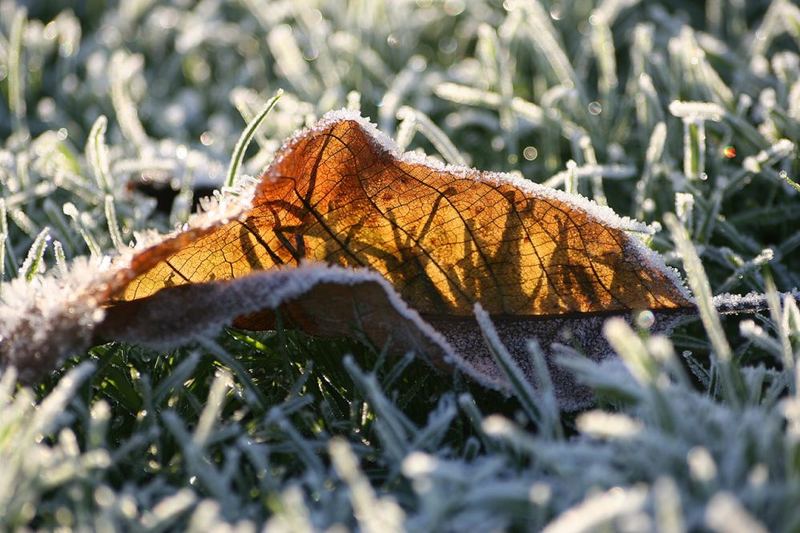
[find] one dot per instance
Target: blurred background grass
(574, 94)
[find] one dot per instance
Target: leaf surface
(344, 236)
(445, 238)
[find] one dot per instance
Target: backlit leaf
(446, 238)
(415, 245)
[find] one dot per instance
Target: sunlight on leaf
(344, 234)
(445, 237)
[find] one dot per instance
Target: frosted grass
(438, 138)
(244, 140)
(16, 78)
(277, 430)
(97, 154)
(123, 66)
(3, 241)
(33, 264)
(522, 388)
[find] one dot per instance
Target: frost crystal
(50, 317)
(223, 206)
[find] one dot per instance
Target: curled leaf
(343, 233)
(322, 300)
(403, 248)
(444, 237)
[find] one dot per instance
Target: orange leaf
(446, 238)
(540, 261)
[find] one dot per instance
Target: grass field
(116, 116)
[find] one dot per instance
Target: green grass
(113, 119)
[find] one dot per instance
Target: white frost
(224, 205)
(46, 319)
(599, 510)
(733, 303)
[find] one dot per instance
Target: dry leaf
(545, 264)
(342, 233)
(446, 238)
(322, 300)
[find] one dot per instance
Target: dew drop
(207, 138)
(417, 63)
(595, 108)
(530, 153)
(645, 319)
(46, 108)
